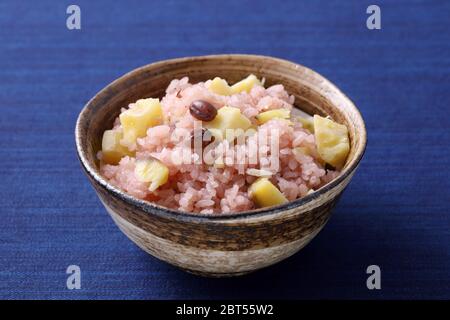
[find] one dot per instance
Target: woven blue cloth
(395, 212)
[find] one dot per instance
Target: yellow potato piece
(307, 123)
(265, 194)
(263, 117)
(152, 171)
(332, 141)
(135, 121)
(112, 150)
(245, 84)
(227, 121)
(220, 86)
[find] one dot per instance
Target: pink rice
(206, 189)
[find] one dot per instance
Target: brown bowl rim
(158, 210)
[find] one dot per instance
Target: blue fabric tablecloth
(395, 212)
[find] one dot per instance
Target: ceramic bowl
(222, 244)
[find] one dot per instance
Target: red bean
(203, 110)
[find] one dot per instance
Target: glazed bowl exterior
(221, 244)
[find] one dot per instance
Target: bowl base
(216, 275)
